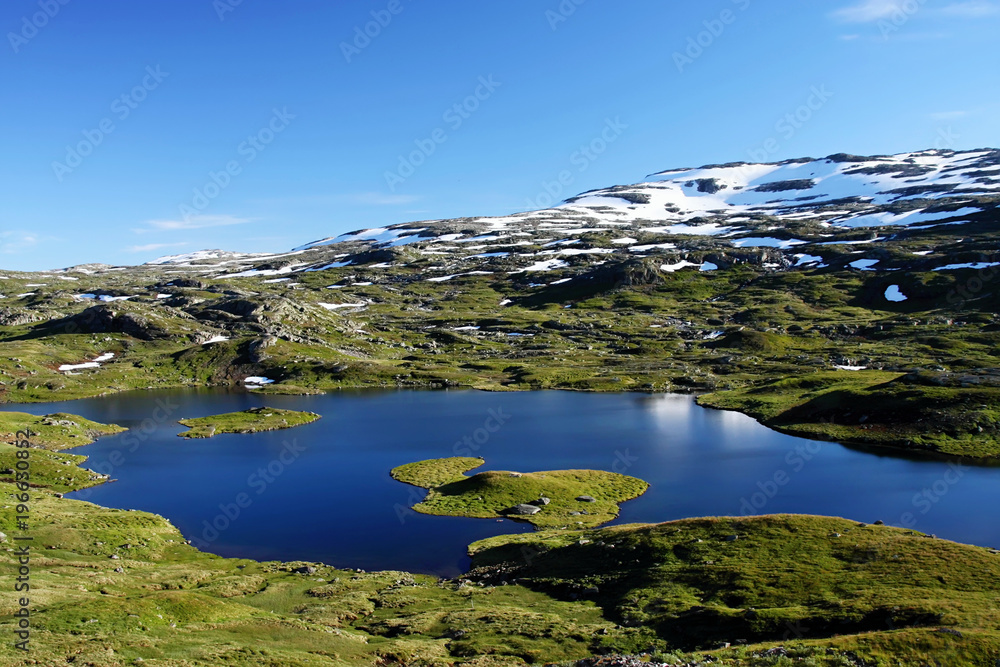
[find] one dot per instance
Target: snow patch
(766, 242)
(547, 265)
(654, 246)
(864, 264)
(76, 367)
(972, 265)
(671, 268)
(338, 306)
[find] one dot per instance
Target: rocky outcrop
(104, 319)
(12, 317)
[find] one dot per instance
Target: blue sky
(133, 130)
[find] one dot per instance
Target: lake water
(322, 492)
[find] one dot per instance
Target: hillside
(871, 275)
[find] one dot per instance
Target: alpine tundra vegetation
(851, 299)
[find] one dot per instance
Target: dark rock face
(785, 186)
(183, 282)
(257, 350)
(627, 274)
(241, 308)
(710, 185)
(102, 319)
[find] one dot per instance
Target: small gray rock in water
(586, 499)
(524, 509)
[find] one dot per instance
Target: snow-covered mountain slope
(797, 214)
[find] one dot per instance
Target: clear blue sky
(200, 78)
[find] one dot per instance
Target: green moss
(435, 472)
(56, 431)
(253, 420)
(791, 579)
(110, 587)
(947, 414)
(495, 493)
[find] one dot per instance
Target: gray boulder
(524, 510)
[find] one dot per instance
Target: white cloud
(972, 9)
(949, 115)
(13, 242)
(867, 11)
(193, 222)
(150, 247)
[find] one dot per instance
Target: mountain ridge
(796, 202)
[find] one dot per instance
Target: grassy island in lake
(551, 499)
(253, 420)
(122, 587)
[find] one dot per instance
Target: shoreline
(877, 449)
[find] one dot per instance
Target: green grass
(804, 582)
(55, 431)
(50, 467)
(733, 330)
(915, 413)
(253, 420)
(111, 586)
(492, 494)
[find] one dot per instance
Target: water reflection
(335, 502)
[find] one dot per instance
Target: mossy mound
(122, 587)
(693, 584)
(253, 420)
(921, 413)
(56, 431)
(551, 499)
(435, 472)
(756, 342)
(49, 466)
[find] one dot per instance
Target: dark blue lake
(322, 492)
